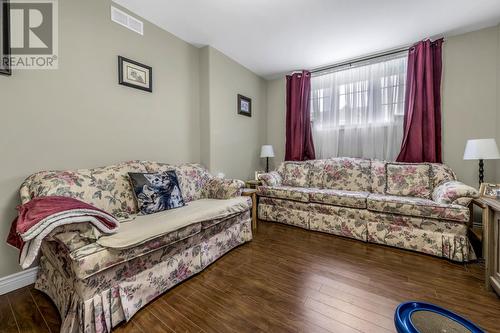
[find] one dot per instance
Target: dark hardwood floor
(291, 280)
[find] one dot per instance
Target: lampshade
(267, 151)
(481, 149)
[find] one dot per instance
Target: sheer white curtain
(358, 112)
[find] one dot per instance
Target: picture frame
(488, 190)
(5, 46)
(133, 74)
(244, 105)
(258, 173)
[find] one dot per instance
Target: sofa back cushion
(316, 173)
(296, 174)
(441, 173)
(410, 179)
(192, 177)
(107, 188)
(348, 174)
(378, 177)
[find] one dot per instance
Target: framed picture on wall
(244, 105)
(5, 38)
(134, 74)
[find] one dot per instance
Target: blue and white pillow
(156, 192)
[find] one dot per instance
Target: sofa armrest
(217, 188)
(454, 192)
(272, 178)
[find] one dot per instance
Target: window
(358, 112)
(393, 94)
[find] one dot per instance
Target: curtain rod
(362, 59)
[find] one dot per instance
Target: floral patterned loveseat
(420, 207)
(98, 281)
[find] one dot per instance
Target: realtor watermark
(33, 35)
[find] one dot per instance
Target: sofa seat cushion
(86, 257)
(285, 192)
(413, 206)
(339, 198)
(147, 227)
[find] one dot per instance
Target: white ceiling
(271, 37)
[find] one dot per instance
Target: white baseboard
(18, 280)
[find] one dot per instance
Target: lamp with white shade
(481, 149)
(266, 151)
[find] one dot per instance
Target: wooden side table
(491, 240)
(492, 237)
(250, 192)
(478, 232)
(253, 183)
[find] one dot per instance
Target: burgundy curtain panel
(299, 142)
(422, 120)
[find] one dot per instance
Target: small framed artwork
(258, 173)
(244, 105)
(490, 190)
(5, 68)
(134, 74)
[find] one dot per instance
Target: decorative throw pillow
(192, 177)
(409, 180)
(272, 178)
(450, 192)
(156, 192)
(441, 173)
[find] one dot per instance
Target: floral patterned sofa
(98, 281)
(420, 207)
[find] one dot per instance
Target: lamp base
(481, 172)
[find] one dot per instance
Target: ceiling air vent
(126, 20)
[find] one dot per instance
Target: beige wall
(234, 140)
(204, 65)
(471, 101)
(78, 116)
(470, 104)
(498, 104)
(276, 119)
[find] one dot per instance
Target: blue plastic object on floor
(418, 317)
